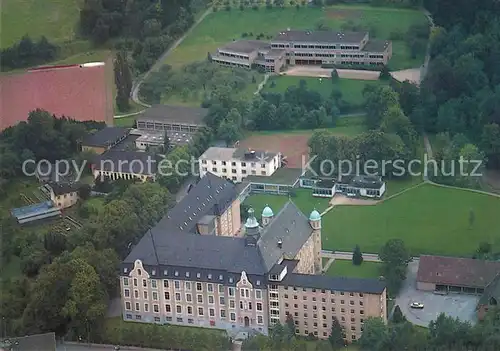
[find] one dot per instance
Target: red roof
(457, 271)
(78, 91)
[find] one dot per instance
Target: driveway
(453, 305)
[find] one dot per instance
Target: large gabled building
(187, 273)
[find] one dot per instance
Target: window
(145, 295)
(260, 320)
(155, 296)
(167, 309)
(199, 298)
(361, 303)
(178, 309)
(360, 294)
(242, 292)
(200, 311)
(153, 284)
(126, 293)
(146, 307)
(241, 304)
(232, 316)
(351, 294)
(342, 310)
(243, 164)
(198, 275)
(188, 298)
(188, 285)
(138, 317)
(210, 287)
(177, 285)
(177, 296)
(144, 283)
(249, 305)
(231, 291)
(156, 308)
(165, 283)
(342, 302)
(199, 287)
(190, 310)
(221, 289)
(127, 306)
(361, 312)
(135, 281)
(222, 300)
(157, 319)
(351, 303)
(222, 313)
(258, 294)
(305, 307)
(231, 304)
(211, 312)
(137, 308)
(125, 281)
(167, 295)
(211, 299)
(259, 306)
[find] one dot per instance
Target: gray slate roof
(319, 36)
(292, 227)
(174, 114)
(244, 46)
(105, 137)
(62, 188)
(211, 196)
(360, 285)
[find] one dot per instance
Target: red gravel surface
(82, 93)
(293, 146)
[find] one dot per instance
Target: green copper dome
(251, 220)
(315, 216)
(267, 212)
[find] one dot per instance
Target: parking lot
(454, 305)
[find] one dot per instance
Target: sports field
(56, 19)
(221, 27)
(351, 89)
(345, 268)
(429, 219)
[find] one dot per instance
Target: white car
(417, 305)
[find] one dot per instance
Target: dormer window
(258, 282)
(165, 272)
(139, 272)
(153, 272)
(198, 275)
(230, 280)
(209, 276)
(125, 270)
(187, 274)
(176, 273)
(221, 277)
(274, 277)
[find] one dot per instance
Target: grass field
(56, 19)
(429, 219)
(303, 200)
(222, 27)
(351, 89)
(345, 268)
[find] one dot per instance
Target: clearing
(55, 19)
(345, 268)
(303, 200)
(429, 219)
(293, 143)
(351, 89)
(221, 27)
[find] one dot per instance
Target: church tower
(315, 222)
(252, 229)
(267, 216)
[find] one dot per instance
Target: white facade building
(237, 164)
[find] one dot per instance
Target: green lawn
(56, 19)
(303, 200)
(345, 268)
(222, 27)
(351, 89)
(429, 219)
(394, 186)
(346, 126)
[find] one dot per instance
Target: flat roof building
(179, 122)
(304, 47)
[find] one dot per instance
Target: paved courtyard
(453, 305)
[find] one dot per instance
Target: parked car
(417, 305)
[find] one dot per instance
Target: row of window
(320, 47)
(325, 334)
(342, 302)
(241, 57)
(177, 284)
(189, 312)
(323, 291)
(224, 170)
(243, 164)
(315, 315)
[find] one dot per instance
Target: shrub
(242, 7)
